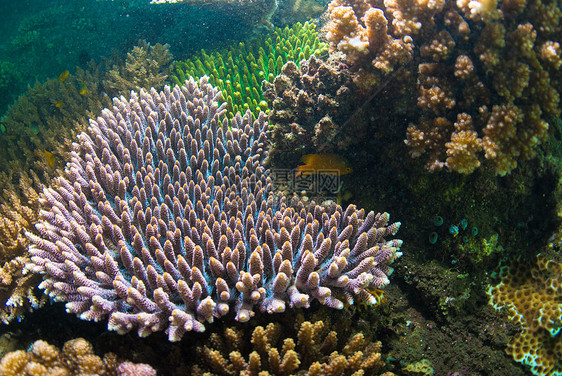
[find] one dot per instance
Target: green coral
(239, 71)
(480, 249)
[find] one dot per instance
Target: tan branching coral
(373, 44)
(550, 53)
(479, 10)
(146, 66)
(505, 84)
(430, 136)
(76, 358)
(464, 146)
(473, 57)
(19, 210)
(311, 347)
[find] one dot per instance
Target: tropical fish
(63, 76)
(58, 104)
(327, 164)
(47, 156)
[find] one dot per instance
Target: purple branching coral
(166, 219)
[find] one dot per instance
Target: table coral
(38, 131)
(166, 219)
(314, 349)
(76, 358)
(531, 292)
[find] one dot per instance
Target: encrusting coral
(531, 292)
(493, 66)
(311, 348)
(239, 71)
(76, 358)
(166, 219)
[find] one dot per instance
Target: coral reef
(145, 66)
(531, 293)
(125, 234)
(314, 349)
(310, 107)
(239, 71)
(486, 78)
(76, 358)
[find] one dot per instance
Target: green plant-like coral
(239, 71)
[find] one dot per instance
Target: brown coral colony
(476, 64)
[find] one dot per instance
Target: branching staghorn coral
(501, 94)
(500, 90)
(166, 219)
(146, 66)
(75, 358)
(377, 41)
(311, 348)
(239, 71)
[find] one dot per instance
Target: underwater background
(344, 187)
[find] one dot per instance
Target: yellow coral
(275, 352)
(76, 358)
(532, 295)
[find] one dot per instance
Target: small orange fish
(47, 156)
(63, 76)
(327, 164)
(83, 91)
(58, 104)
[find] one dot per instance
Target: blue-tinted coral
(166, 219)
